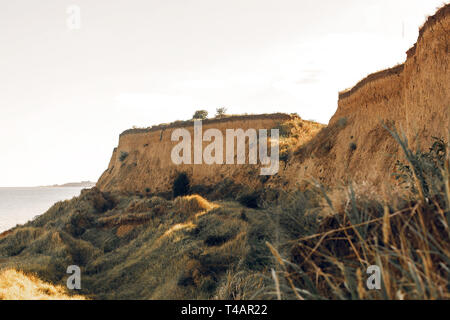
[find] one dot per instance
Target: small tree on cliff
(200, 115)
(180, 185)
(220, 112)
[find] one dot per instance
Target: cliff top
(431, 21)
(372, 77)
(188, 123)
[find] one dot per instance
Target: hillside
(145, 247)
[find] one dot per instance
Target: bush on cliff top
(200, 115)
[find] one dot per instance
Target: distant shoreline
(87, 184)
(82, 184)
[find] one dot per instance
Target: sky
(67, 93)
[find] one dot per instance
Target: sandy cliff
(413, 96)
(149, 164)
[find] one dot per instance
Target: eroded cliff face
(149, 166)
(413, 97)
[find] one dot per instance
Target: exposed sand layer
(412, 97)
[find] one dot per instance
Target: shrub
(285, 129)
(342, 122)
(250, 200)
(123, 156)
(285, 154)
(220, 112)
(423, 169)
(180, 185)
(200, 115)
(353, 146)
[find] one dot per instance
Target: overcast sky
(66, 95)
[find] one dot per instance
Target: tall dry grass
(189, 205)
(16, 285)
(406, 234)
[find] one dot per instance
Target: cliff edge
(355, 146)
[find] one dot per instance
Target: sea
(20, 205)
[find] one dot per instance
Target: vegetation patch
(123, 156)
(181, 185)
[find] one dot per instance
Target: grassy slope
(142, 247)
(321, 241)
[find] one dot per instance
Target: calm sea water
(19, 205)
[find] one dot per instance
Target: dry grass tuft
(192, 204)
(16, 285)
(406, 234)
